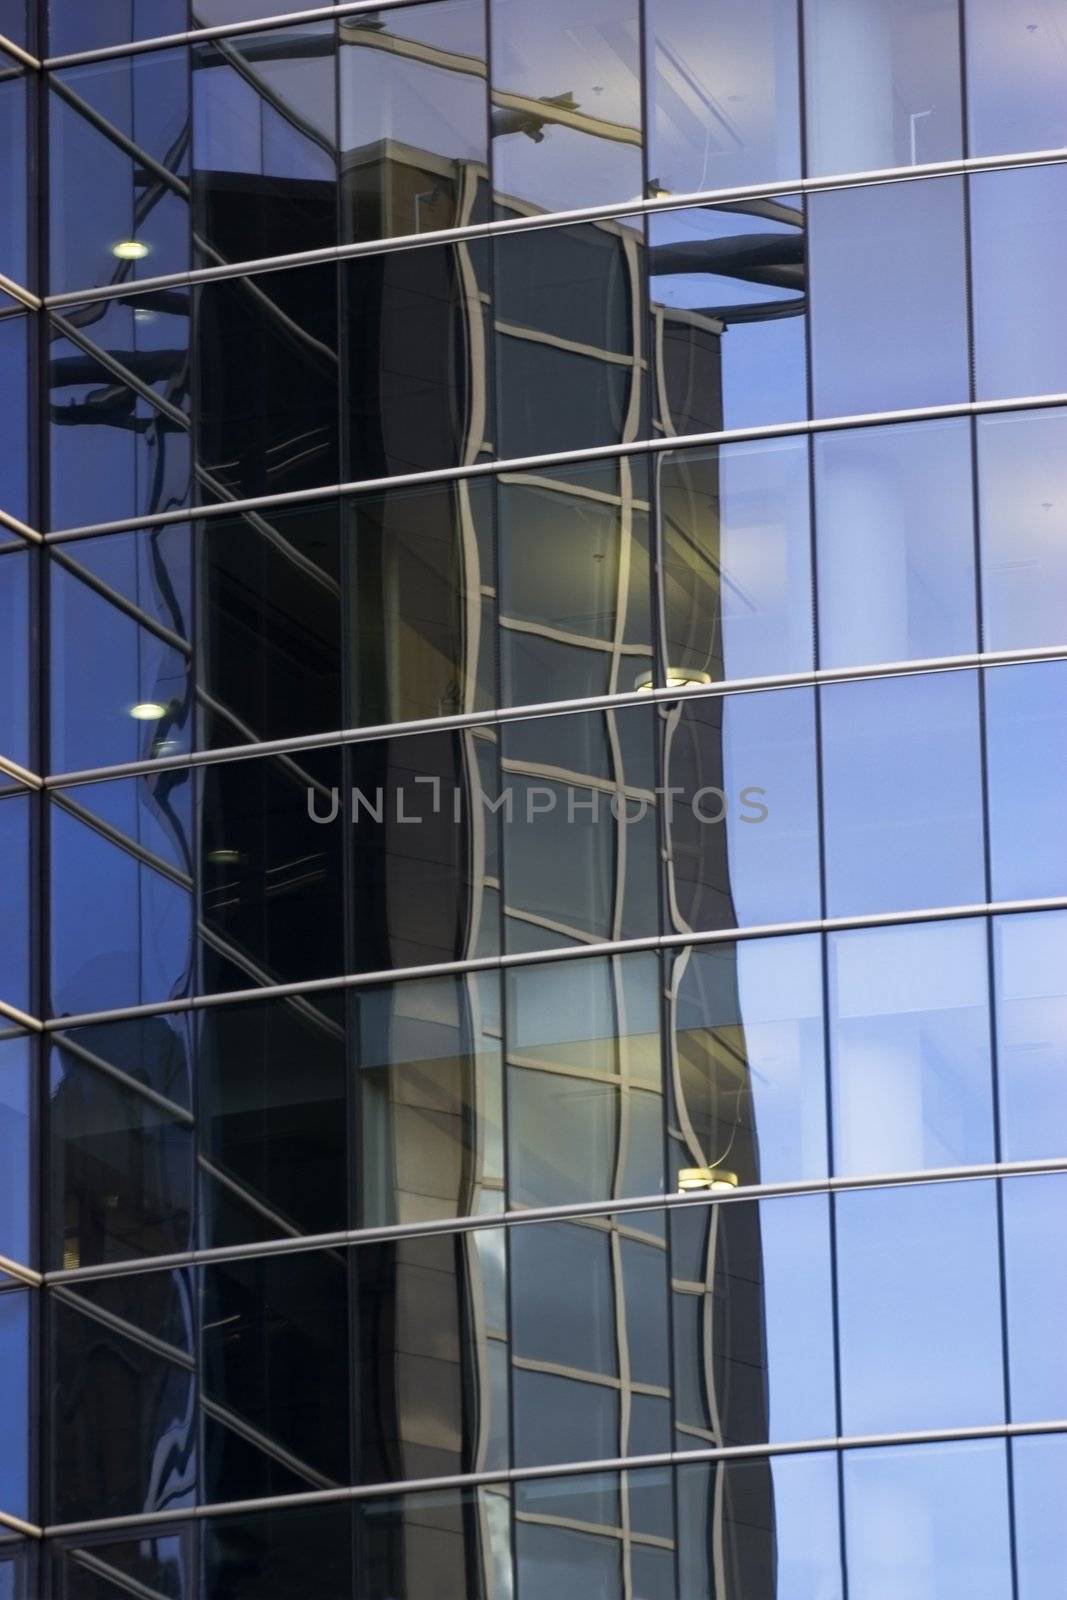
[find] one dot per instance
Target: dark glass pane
(1019, 236)
(902, 793)
(419, 602)
(575, 600)
(119, 406)
(919, 1308)
(1026, 737)
(910, 1046)
(446, 1541)
(1035, 1272)
(122, 892)
(741, 811)
(122, 1401)
(15, 928)
(416, 379)
(414, 119)
(1023, 486)
(15, 1401)
(273, 1555)
(268, 382)
(575, 1536)
(121, 1141)
(119, 153)
(429, 1098)
(895, 543)
(752, 1286)
(13, 21)
(265, 143)
(580, 828)
(72, 25)
(727, 286)
(430, 1317)
(15, 658)
(273, 1115)
(1016, 76)
(14, 167)
(17, 1083)
(1039, 1484)
(1031, 1012)
(569, 346)
(107, 1566)
(883, 83)
(566, 117)
(928, 1519)
(749, 1073)
(121, 626)
(736, 558)
(725, 87)
(14, 438)
(887, 280)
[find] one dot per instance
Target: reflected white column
(850, 85)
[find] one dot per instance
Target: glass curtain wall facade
(533, 712)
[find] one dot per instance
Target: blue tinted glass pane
(15, 657)
(889, 312)
(1026, 733)
(902, 793)
(14, 402)
(919, 1308)
(15, 1081)
(725, 91)
(794, 1302)
(929, 1521)
(910, 1048)
(15, 900)
(1022, 474)
(73, 25)
(1039, 1481)
(14, 165)
(895, 543)
(1035, 1271)
(13, 21)
(14, 1402)
(1031, 1011)
(1016, 75)
(1019, 242)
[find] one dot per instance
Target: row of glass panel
(388, 122)
(389, 363)
(544, 1344)
(548, 833)
(537, 586)
(973, 1520)
(554, 1085)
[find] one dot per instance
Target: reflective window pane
(1016, 75)
(919, 1307)
(566, 103)
(161, 1562)
(1031, 1011)
(736, 560)
(1026, 735)
(13, 175)
(269, 1555)
(1023, 486)
(574, 1535)
(725, 89)
(14, 438)
(902, 793)
(17, 1083)
(457, 1541)
(1035, 1270)
(895, 543)
(883, 85)
(1039, 1483)
(887, 279)
(15, 1398)
(16, 663)
(1019, 237)
(72, 25)
(15, 901)
(910, 1047)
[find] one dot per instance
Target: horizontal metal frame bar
(553, 219)
(560, 458)
(570, 1469)
(17, 291)
(18, 52)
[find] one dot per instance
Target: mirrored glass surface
(72, 25)
(566, 103)
(15, 902)
(414, 118)
(910, 1047)
(883, 83)
(1018, 240)
(902, 793)
(919, 1307)
(14, 166)
(14, 437)
(15, 1395)
(895, 543)
(724, 83)
(457, 1540)
(14, 23)
(1026, 740)
(1039, 1480)
(929, 1520)
(160, 1561)
(1023, 487)
(17, 1084)
(727, 289)
(1035, 1274)
(586, 1534)
(740, 810)
(1030, 955)
(1016, 76)
(119, 170)
(887, 283)
(267, 1555)
(16, 665)
(736, 560)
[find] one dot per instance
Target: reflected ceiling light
(677, 678)
(147, 711)
(129, 250)
(224, 858)
(714, 1179)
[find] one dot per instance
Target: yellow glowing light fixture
(677, 678)
(714, 1179)
(147, 711)
(129, 250)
